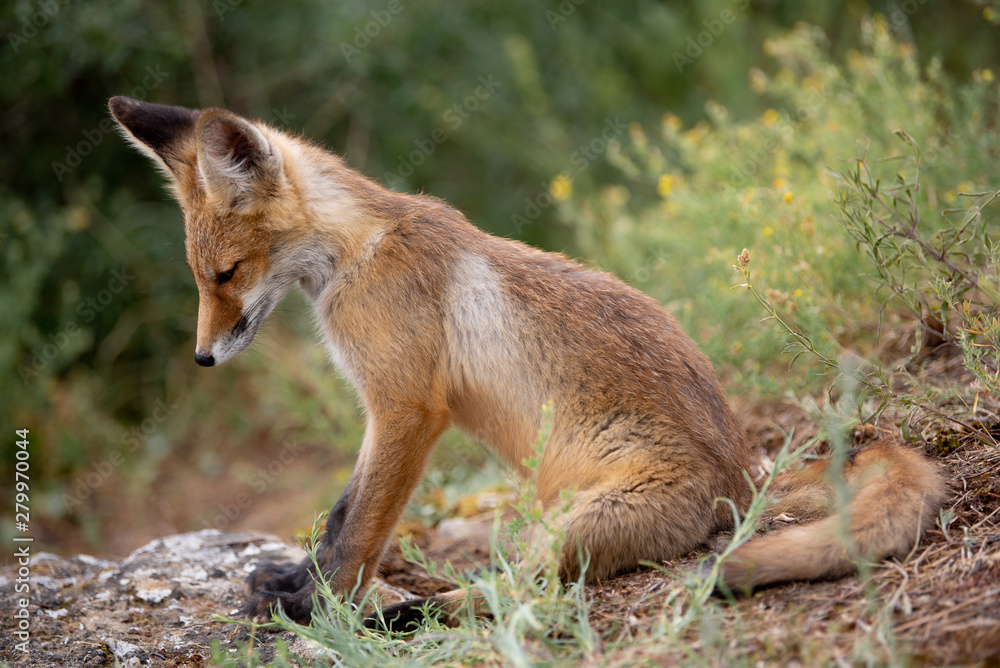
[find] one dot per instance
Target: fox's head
(246, 228)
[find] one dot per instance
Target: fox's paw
(286, 576)
(298, 606)
(285, 584)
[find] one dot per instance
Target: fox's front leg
(392, 460)
(288, 577)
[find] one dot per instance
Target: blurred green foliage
(688, 199)
(98, 306)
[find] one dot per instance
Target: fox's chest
(340, 359)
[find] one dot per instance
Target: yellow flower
(855, 59)
(672, 122)
(985, 75)
(813, 82)
(950, 196)
(788, 197)
(880, 23)
(770, 117)
(779, 184)
(989, 14)
(468, 506)
(767, 231)
(78, 219)
(696, 133)
(966, 187)
(561, 187)
(665, 185)
(798, 292)
(785, 76)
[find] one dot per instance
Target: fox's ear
(238, 163)
(165, 133)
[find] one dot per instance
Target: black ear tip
(120, 105)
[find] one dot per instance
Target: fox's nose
(204, 360)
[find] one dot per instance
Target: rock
(157, 607)
(125, 652)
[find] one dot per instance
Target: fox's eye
(226, 275)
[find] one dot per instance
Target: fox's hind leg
(628, 520)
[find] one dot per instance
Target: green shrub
(689, 200)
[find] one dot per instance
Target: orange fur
(893, 495)
(437, 322)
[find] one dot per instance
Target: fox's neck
(347, 216)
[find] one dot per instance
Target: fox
(437, 323)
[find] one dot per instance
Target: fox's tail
(894, 495)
